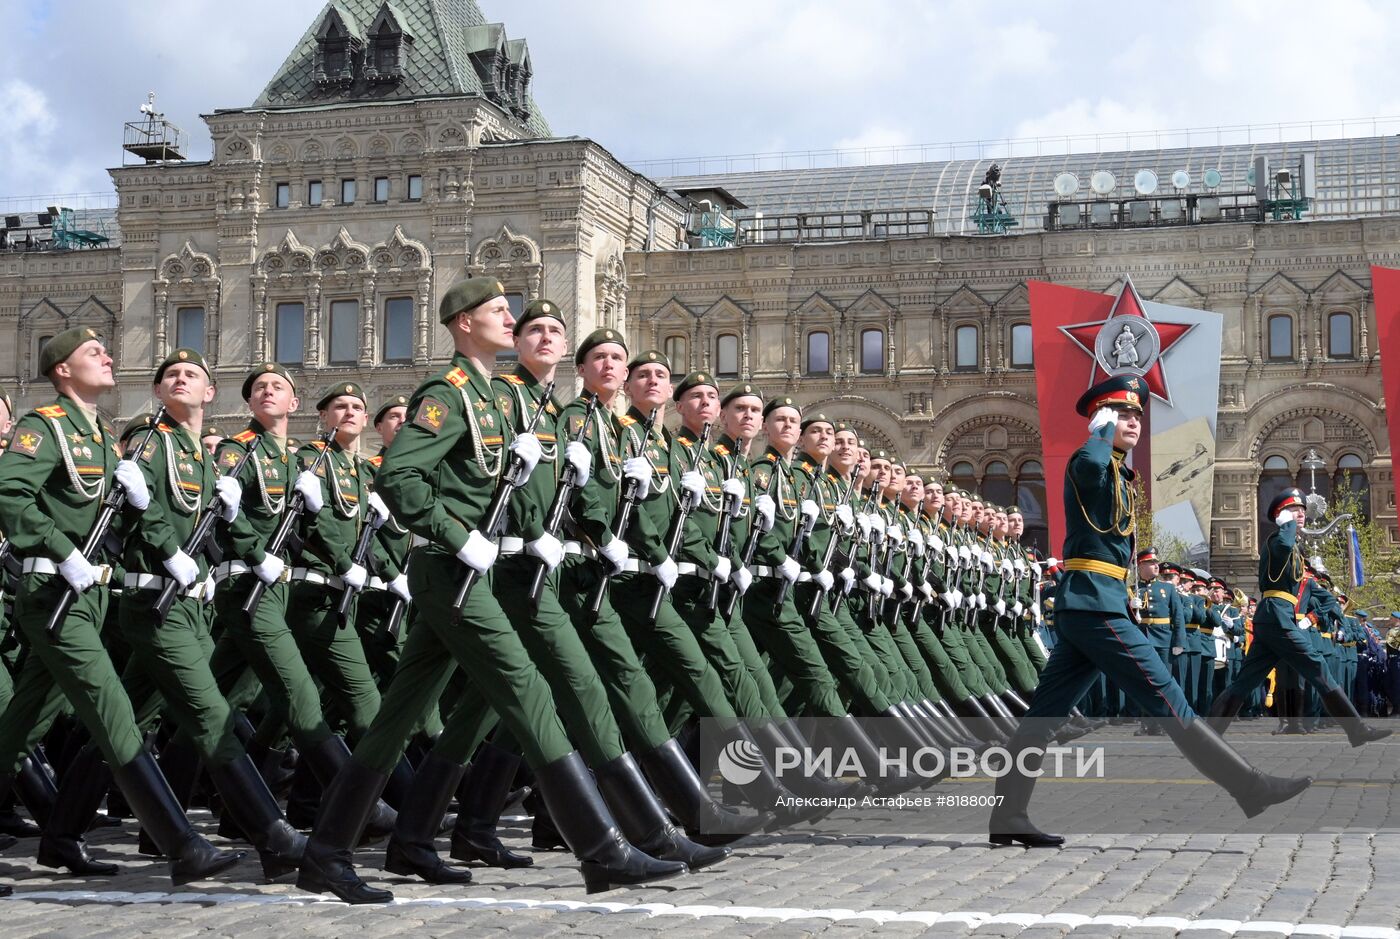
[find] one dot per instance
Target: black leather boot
(304, 796)
(1219, 762)
(191, 857)
(608, 860)
(898, 732)
(35, 786)
(179, 764)
(480, 797)
(1001, 714)
(83, 789)
(949, 728)
(328, 866)
(680, 788)
(931, 734)
(1223, 711)
(400, 783)
(1010, 820)
(770, 738)
(325, 760)
(272, 766)
(1339, 706)
(1290, 713)
(411, 849)
(250, 804)
(1015, 703)
(981, 723)
(644, 821)
(544, 835)
(943, 710)
(846, 733)
(766, 792)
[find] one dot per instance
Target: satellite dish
(1102, 182)
(1249, 177)
(1181, 179)
(1212, 178)
(1145, 182)
(1066, 185)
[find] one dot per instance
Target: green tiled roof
(442, 36)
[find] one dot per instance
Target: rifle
(885, 565)
(624, 518)
(496, 511)
(726, 532)
(296, 504)
(116, 499)
(855, 544)
(194, 544)
(750, 549)
(827, 560)
(799, 538)
(677, 532)
(357, 556)
(399, 607)
(562, 494)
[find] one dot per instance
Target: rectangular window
(398, 329)
(1280, 337)
(290, 333)
(347, 192)
(314, 192)
(345, 332)
(727, 356)
(1339, 336)
(189, 328)
(283, 196)
(508, 357)
(415, 188)
(966, 347)
(677, 349)
(1022, 348)
(872, 351)
(819, 353)
(381, 189)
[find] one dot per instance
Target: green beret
(397, 401)
(336, 391)
(468, 295)
(782, 401)
(741, 390)
(273, 367)
(537, 309)
(139, 422)
(881, 454)
(1014, 510)
(211, 431)
(842, 426)
(818, 418)
(649, 357)
(57, 350)
(694, 380)
(183, 355)
(597, 338)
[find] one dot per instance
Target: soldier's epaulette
(721, 449)
(164, 428)
(771, 457)
(245, 437)
(51, 410)
(513, 379)
(318, 444)
(456, 377)
(627, 420)
(377, 460)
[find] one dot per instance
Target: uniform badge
(430, 414)
(503, 403)
(230, 458)
(761, 477)
(27, 442)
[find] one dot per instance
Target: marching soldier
(1161, 616)
(378, 600)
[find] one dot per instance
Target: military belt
(45, 566)
(157, 582)
(763, 570)
(1348, 645)
(1208, 630)
(315, 577)
(233, 568)
(376, 583)
(1192, 627)
(1094, 566)
(635, 566)
(1157, 620)
(511, 545)
(578, 547)
(1325, 635)
(685, 568)
(1281, 595)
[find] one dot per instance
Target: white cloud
(1098, 125)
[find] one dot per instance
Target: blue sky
(660, 78)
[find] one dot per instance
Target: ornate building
(398, 148)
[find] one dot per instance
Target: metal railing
(834, 226)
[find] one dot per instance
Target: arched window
(1022, 349)
(727, 356)
(996, 483)
(1281, 337)
(1350, 481)
(819, 353)
(964, 475)
(966, 348)
(1339, 338)
(1277, 476)
(677, 349)
(872, 351)
(1030, 499)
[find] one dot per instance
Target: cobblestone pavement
(827, 879)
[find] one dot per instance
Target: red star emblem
(1085, 335)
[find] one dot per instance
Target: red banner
(1385, 287)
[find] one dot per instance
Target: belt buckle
(104, 576)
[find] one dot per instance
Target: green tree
(1169, 547)
(1380, 559)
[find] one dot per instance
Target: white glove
(950, 599)
(1304, 622)
(907, 591)
(1102, 418)
(131, 479)
(548, 549)
(981, 601)
(886, 587)
(78, 572)
(182, 567)
(809, 510)
(693, 485)
(988, 560)
(877, 530)
(615, 553)
(1051, 562)
(1006, 567)
(1177, 650)
(1284, 517)
(873, 582)
(577, 455)
(1316, 562)
(356, 577)
(1036, 615)
(1021, 565)
(863, 523)
(380, 510)
(965, 554)
(1135, 603)
(639, 470)
(665, 572)
(895, 534)
(723, 568)
(734, 488)
(848, 579)
(926, 589)
(399, 586)
(1000, 607)
(741, 578)
(916, 542)
(230, 493)
(527, 448)
(958, 596)
(1017, 609)
(824, 580)
(270, 570)
(479, 553)
(845, 516)
(935, 542)
(954, 558)
(764, 507)
(310, 488)
(789, 569)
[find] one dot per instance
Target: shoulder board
(51, 410)
(456, 377)
(164, 428)
(317, 444)
(514, 379)
(376, 461)
(245, 437)
(771, 457)
(626, 420)
(721, 449)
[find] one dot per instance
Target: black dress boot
(644, 821)
(1010, 820)
(250, 804)
(1290, 713)
(1014, 702)
(480, 797)
(1339, 706)
(191, 857)
(943, 710)
(325, 760)
(544, 835)
(608, 860)
(1001, 714)
(706, 821)
(847, 733)
(411, 849)
(36, 788)
(930, 734)
(179, 764)
(1221, 763)
(271, 765)
(766, 792)
(328, 866)
(979, 721)
(1223, 711)
(83, 789)
(400, 783)
(304, 796)
(770, 738)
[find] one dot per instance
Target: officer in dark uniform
(1096, 632)
(1161, 616)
